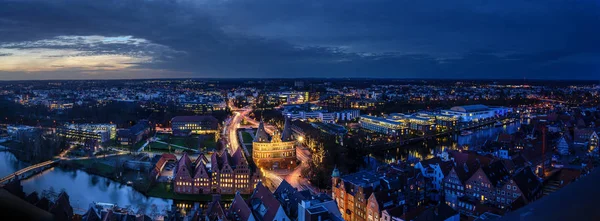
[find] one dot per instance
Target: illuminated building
(382, 125)
(203, 108)
(475, 113)
(225, 174)
(276, 152)
(195, 125)
(134, 134)
(81, 132)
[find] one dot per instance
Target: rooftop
(362, 178)
(470, 108)
(576, 201)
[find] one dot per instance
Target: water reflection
(9, 163)
(429, 148)
(84, 188)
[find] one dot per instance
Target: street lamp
(301, 138)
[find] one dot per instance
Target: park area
(169, 143)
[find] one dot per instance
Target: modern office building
(476, 113)
(202, 108)
(195, 124)
(276, 151)
(134, 134)
(102, 133)
(322, 115)
(389, 126)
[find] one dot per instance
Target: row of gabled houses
(467, 182)
(224, 173)
(476, 184)
(285, 204)
(392, 192)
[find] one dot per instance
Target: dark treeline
(124, 114)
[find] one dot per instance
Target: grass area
(192, 142)
(96, 167)
(163, 136)
(209, 143)
(130, 147)
(246, 137)
(164, 190)
(157, 145)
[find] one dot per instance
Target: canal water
(9, 163)
(83, 188)
(428, 149)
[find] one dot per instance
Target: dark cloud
(315, 38)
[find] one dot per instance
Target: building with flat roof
(80, 133)
(476, 112)
(205, 124)
(134, 134)
(389, 126)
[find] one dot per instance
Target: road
(231, 129)
(295, 177)
(273, 178)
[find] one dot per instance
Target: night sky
(108, 39)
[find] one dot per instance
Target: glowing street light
(301, 138)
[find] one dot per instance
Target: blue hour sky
(123, 39)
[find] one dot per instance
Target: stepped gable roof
(226, 159)
(184, 166)
(286, 135)
(214, 161)
(62, 209)
(239, 209)
(91, 215)
(215, 211)
(466, 163)
(496, 172)
(201, 160)
(201, 170)
(528, 183)
(108, 216)
(238, 157)
(264, 203)
(261, 133)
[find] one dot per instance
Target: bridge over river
(39, 166)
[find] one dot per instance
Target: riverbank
(143, 185)
(163, 190)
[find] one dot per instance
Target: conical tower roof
(286, 135)
(261, 133)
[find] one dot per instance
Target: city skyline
(134, 39)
